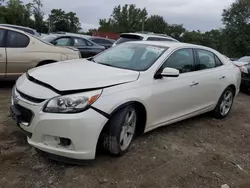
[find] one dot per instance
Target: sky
(200, 15)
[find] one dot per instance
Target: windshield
(138, 57)
(244, 59)
(127, 38)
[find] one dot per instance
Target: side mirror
(170, 72)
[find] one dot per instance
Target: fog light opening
(65, 141)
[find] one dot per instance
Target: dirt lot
(197, 153)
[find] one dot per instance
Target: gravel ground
(196, 153)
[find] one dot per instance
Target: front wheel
(121, 131)
(225, 104)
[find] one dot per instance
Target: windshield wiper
(91, 59)
(105, 64)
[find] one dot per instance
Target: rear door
(106, 43)
(211, 76)
(63, 41)
(2, 53)
(86, 48)
(19, 57)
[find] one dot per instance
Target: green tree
(74, 23)
(175, 30)
(38, 15)
(15, 12)
(156, 24)
(194, 37)
(124, 19)
(59, 20)
(237, 28)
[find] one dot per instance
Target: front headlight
(72, 103)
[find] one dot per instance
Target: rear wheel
(225, 104)
(121, 131)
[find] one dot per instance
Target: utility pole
(49, 26)
(142, 27)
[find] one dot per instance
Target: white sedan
(67, 108)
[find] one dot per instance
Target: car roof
(68, 35)
(17, 26)
(150, 35)
(170, 44)
(12, 29)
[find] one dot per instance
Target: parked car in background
(107, 43)
(25, 29)
(126, 37)
(135, 87)
(20, 51)
(85, 46)
(242, 61)
(245, 76)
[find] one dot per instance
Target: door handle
(222, 77)
(194, 84)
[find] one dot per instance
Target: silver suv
(126, 37)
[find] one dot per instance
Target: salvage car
(107, 43)
(245, 73)
(25, 29)
(20, 51)
(85, 46)
(144, 36)
(125, 91)
(242, 61)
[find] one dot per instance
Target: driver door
(175, 97)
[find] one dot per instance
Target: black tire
(217, 112)
(114, 129)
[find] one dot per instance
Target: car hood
(71, 76)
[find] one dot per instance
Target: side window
(165, 39)
(183, 60)
(62, 42)
(153, 39)
(2, 37)
(17, 40)
(206, 60)
(96, 41)
(80, 42)
(89, 43)
(158, 39)
(217, 61)
(107, 42)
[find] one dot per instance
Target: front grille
(29, 98)
(26, 114)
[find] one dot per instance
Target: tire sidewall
(217, 112)
(115, 127)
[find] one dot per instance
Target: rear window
(127, 38)
(159, 39)
(23, 29)
(17, 40)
